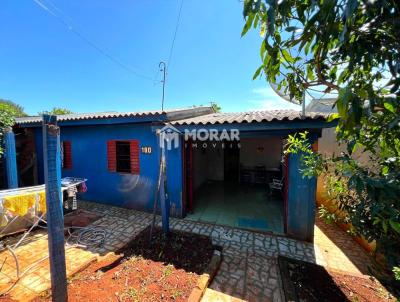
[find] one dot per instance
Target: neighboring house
(328, 146)
(327, 143)
(223, 182)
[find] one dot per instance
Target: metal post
(11, 159)
(163, 69)
(303, 105)
(55, 219)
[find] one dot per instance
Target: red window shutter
(67, 154)
(135, 165)
(111, 156)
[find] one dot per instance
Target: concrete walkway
(120, 225)
(248, 271)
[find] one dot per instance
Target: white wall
(261, 151)
(208, 164)
(215, 161)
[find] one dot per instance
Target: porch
(244, 206)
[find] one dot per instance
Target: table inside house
(258, 174)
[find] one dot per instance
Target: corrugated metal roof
(171, 114)
(250, 117)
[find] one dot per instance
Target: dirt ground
(312, 282)
(361, 289)
(166, 270)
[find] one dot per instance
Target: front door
(231, 162)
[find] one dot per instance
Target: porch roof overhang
(248, 117)
(255, 123)
(270, 127)
(269, 122)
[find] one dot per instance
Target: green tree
(215, 107)
(57, 111)
(349, 48)
(17, 110)
(6, 121)
(8, 111)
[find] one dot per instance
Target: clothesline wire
(174, 37)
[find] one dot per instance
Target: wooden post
(11, 159)
(55, 218)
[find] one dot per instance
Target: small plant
(133, 294)
(167, 270)
(176, 293)
(396, 271)
(327, 215)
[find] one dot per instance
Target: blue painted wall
(10, 156)
(89, 160)
(301, 202)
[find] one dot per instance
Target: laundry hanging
(19, 204)
(42, 202)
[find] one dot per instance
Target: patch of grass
(176, 293)
(167, 271)
(133, 294)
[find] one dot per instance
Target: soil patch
(303, 281)
(80, 218)
(165, 270)
(187, 251)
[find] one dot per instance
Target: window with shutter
(123, 156)
(66, 155)
(134, 155)
(111, 156)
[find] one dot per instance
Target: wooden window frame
(66, 155)
(134, 156)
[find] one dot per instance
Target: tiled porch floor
(235, 205)
(249, 268)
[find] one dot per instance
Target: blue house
(220, 167)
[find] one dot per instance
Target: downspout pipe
(11, 159)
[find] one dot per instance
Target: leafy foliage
(216, 107)
(57, 111)
(348, 48)
(396, 271)
(6, 121)
(15, 109)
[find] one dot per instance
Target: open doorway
(230, 183)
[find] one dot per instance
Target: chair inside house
(260, 175)
(276, 185)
